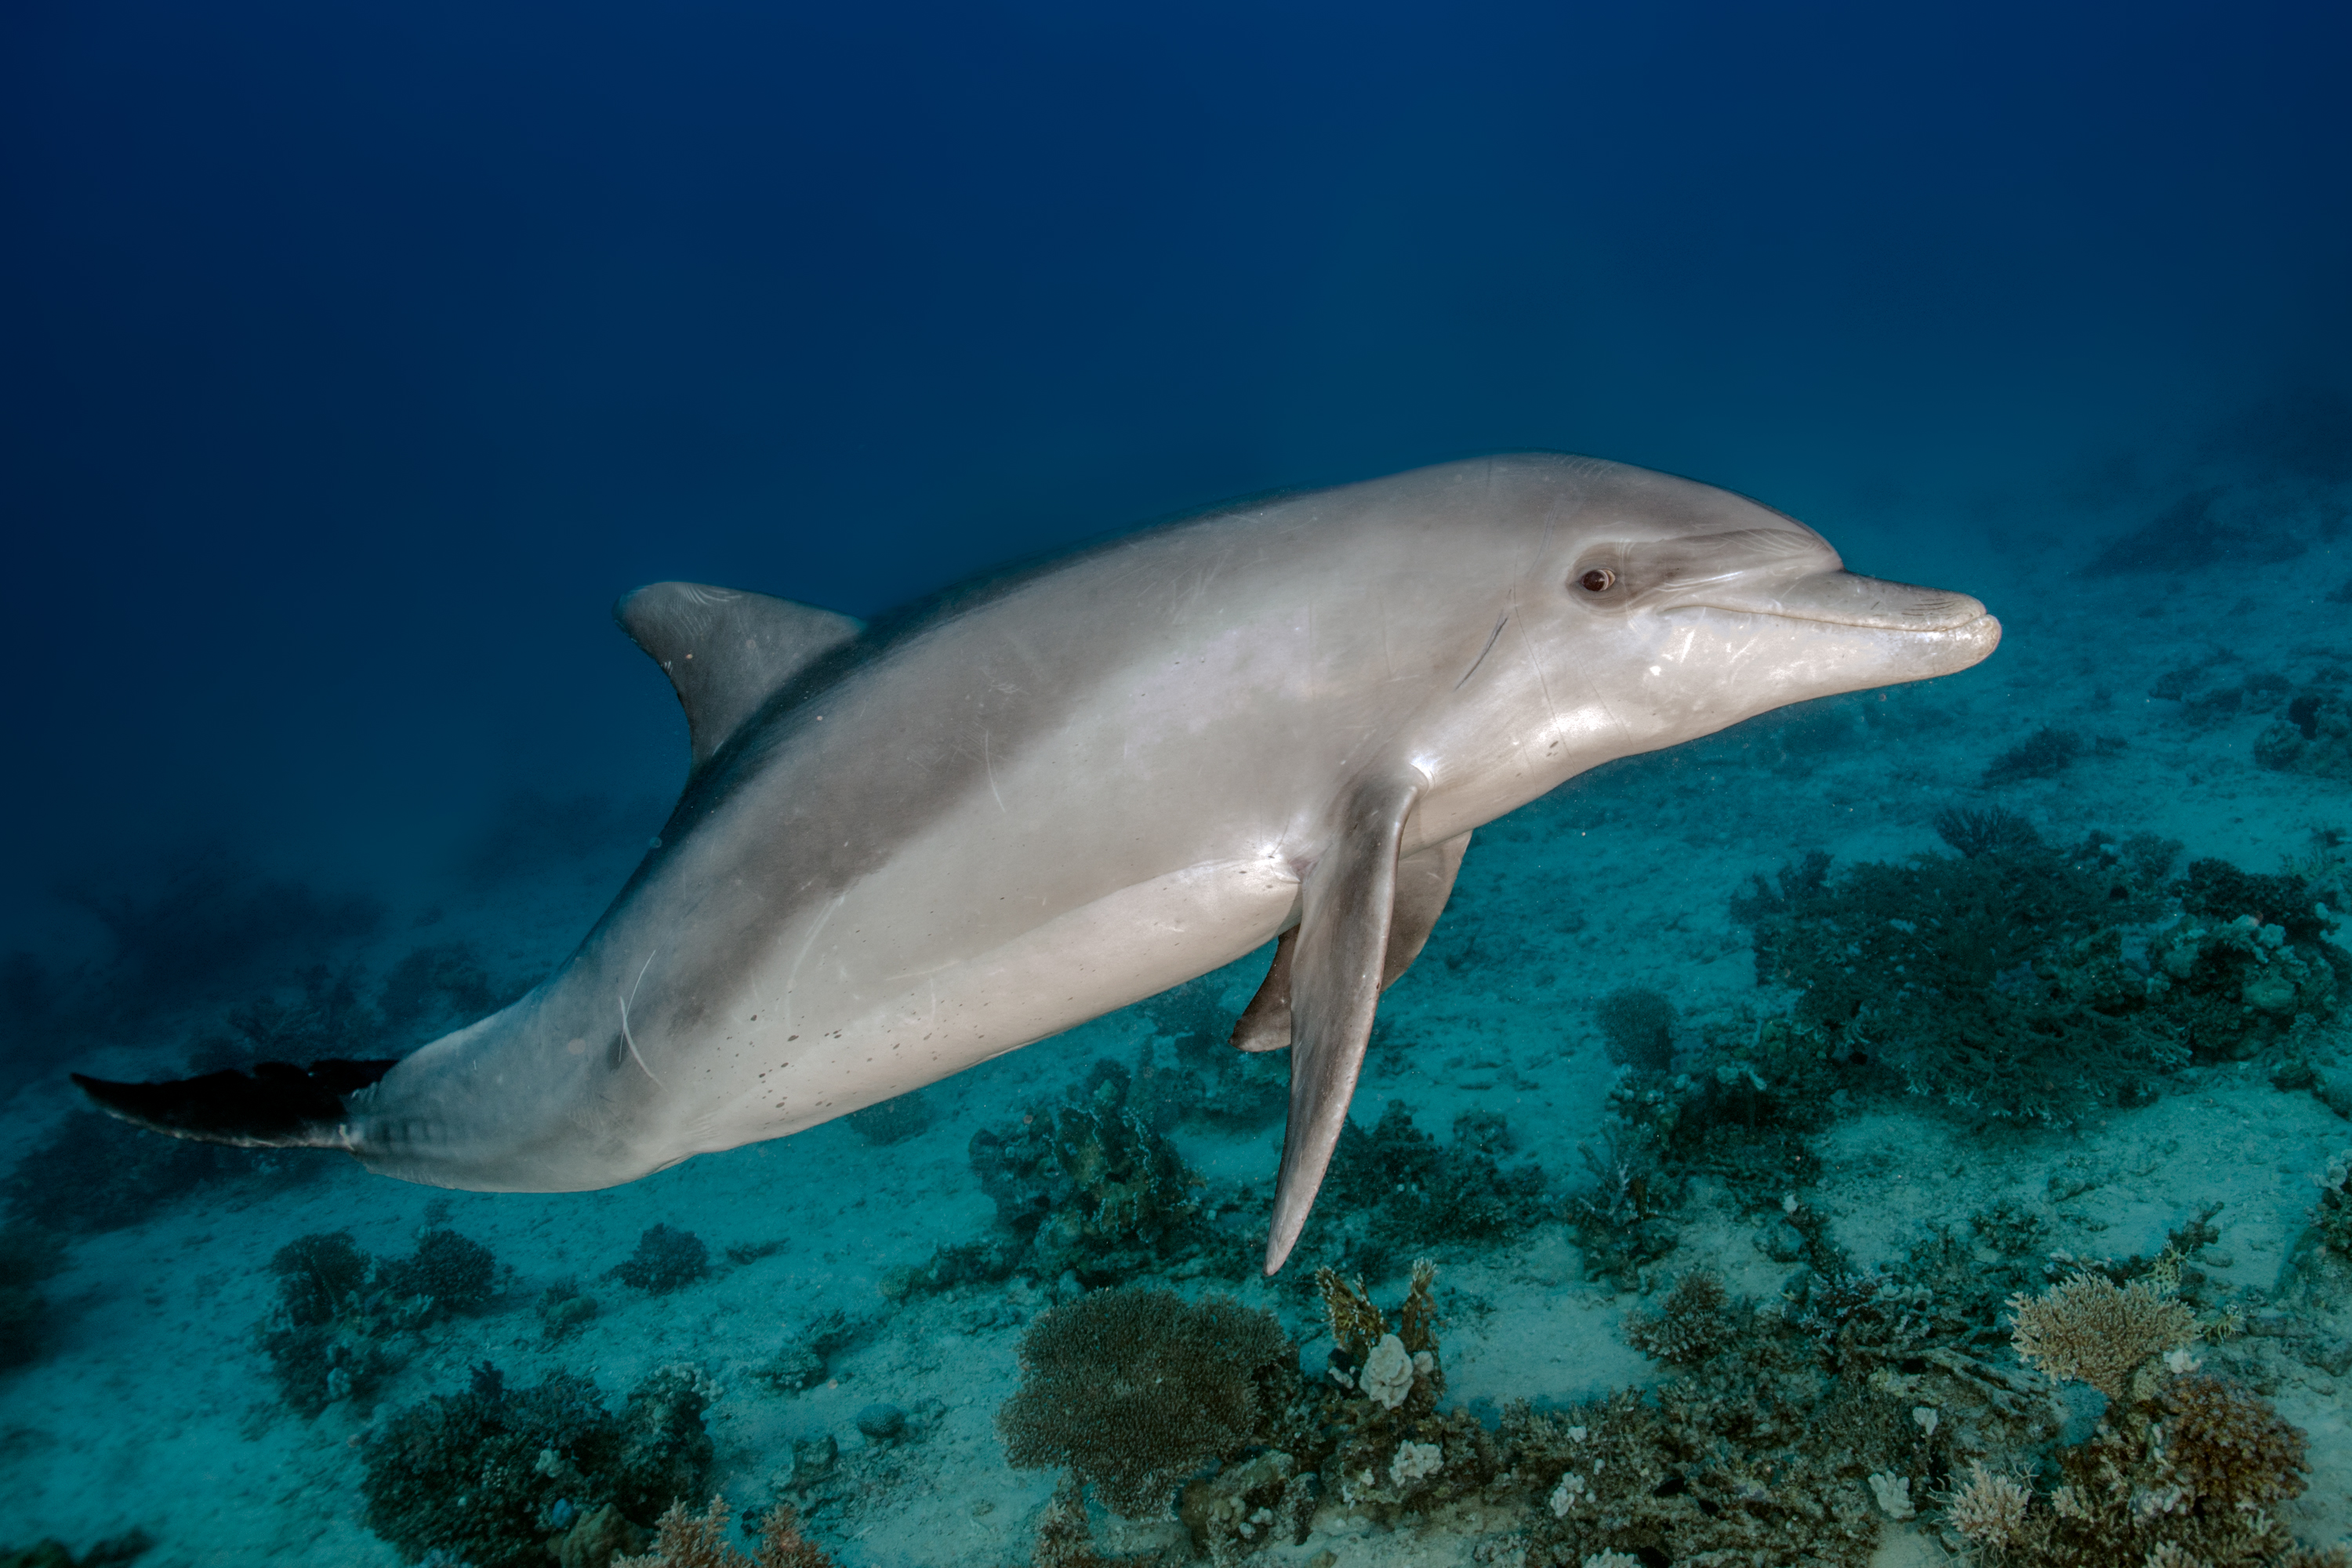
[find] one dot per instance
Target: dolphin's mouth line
(1923, 625)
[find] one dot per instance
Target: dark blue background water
(356, 356)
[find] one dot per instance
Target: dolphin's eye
(1600, 579)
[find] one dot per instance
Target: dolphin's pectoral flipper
(725, 651)
(1264, 1024)
(1424, 881)
(277, 1106)
(1348, 903)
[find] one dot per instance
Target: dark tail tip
(276, 1105)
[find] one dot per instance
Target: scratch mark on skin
(625, 998)
(987, 763)
(1492, 637)
(791, 980)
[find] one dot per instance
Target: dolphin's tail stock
(278, 1105)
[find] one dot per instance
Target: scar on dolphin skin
(625, 998)
(957, 847)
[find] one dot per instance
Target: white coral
(1387, 1376)
(1893, 1495)
(1990, 1509)
(1414, 1461)
(1570, 1491)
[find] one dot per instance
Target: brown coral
(1136, 1389)
(684, 1539)
(2088, 1329)
(1356, 1324)
(2229, 1445)
(1690, 1328)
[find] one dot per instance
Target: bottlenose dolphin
(906, 848)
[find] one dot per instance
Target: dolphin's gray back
(1188, 698)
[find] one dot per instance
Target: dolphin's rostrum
(909, 847)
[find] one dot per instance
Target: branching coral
(1690, 1328)
(493, 1476)
(684, 1539)
(2033, 982)
(2229, 1444)
(2088, 1329)
(2181, 1471)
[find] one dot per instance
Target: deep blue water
(356, 358)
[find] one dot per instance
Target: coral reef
(892, 1121)
(666, 1260)
(2090, 1329)
(2187, 536)
(1991, 831)
(563, 1307)
(212, 923)
(341, 1315)
(1689, 1328)
(1086, 1186)
(2332, 1215)
(51, 1553)
(457, 1273)
(503, 1478)
(1134, 1390)
(1396, 1183)
(684, 1539)
(2045, 753)
(2315, 734)
(92, 1173)
(29, 1255)
(2033, 982)
(1637, 1027)
(2183, 1467)
(802, 1359)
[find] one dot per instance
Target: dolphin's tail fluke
(278, 1105)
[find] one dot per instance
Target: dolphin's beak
(1905, 633)
(1841, 598)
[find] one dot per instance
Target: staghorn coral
(684, 1539)
(1136, 1389)
(2087, 1329)
(1691, 1326)
(2182, 1468)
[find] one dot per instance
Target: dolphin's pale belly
(841, 1016)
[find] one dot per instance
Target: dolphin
(904, 848)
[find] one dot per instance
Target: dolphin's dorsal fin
(726, 651)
